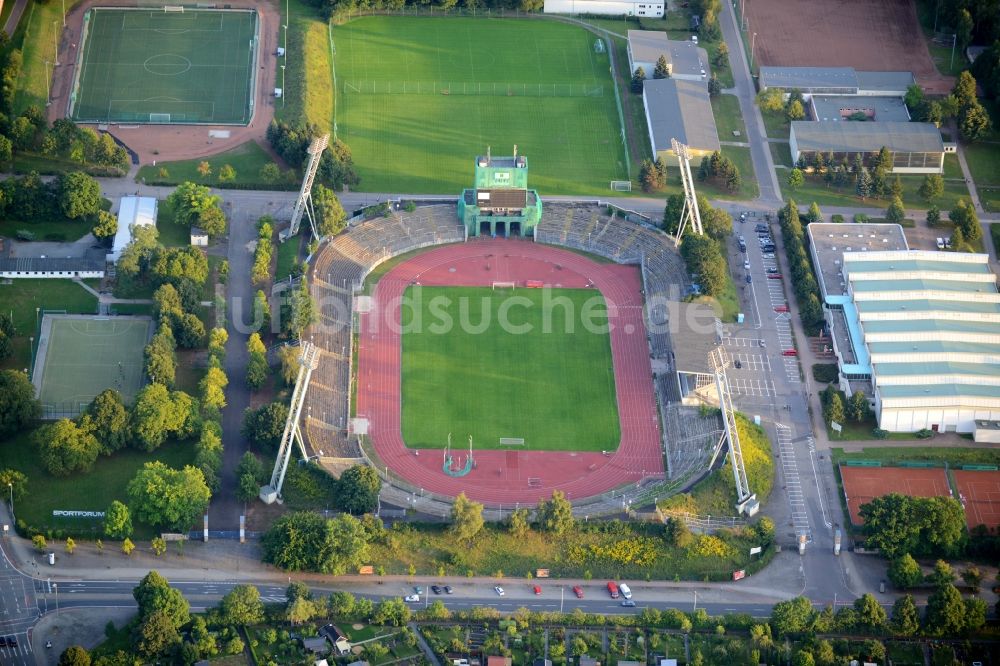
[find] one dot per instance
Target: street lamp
(10, 485)
(48, 92)
(753, 42)
(55, 38)
(55, 586)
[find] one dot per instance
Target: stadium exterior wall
(606, 7)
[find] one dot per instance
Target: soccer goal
(174, 8)
(511, 441)
(621, 185)
(159, 117)
(505, 285)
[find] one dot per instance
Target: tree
(217, 339)
(556, 514)
(331, 218)
(298, 311)
(105, 225)
(833, 410)
(896, 213)
(242, 606)
(517, 522)
(933, 216)
(38, 541)
(864, 184)
(803, 658)
(358, 489)
(18, 406)
(792, 616)
(794, 110)
(190, 331)
(932, 187)
(638, 78)
(264, 426)
(6, 149)
(155, 634)
(942, 574)
(466, 518)
(965, 89)
(79, 195)
(160, 364)
(904, 572)
(721, 57)
(66, 448)
(212, 221)
(204, 169)
(117, 521)
(662, 69)
(70, 545)
(188, 200)
(871, 616)
(157, 414)
(796, 178)
(107, 418)
(973, 122)
(6, 336)
(169, 497)
(289, 356)
(945, 611)
(972, 576)
(392, 611)
(127, 546)
(261, 311)
(227, 174)
(771, 100)
(905, 616)
(158, 546)
(74, 656)
(305, 541)
(212, 387)
(255, 345)
(153, 594)
(270, 173)
(257, 370)
(15, 481)
(714, 86)
(650, 176)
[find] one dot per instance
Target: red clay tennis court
(980, 495)
(863, 484)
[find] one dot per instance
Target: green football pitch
(552, 388)
(153, 66)
(86, 355)
(419, 98)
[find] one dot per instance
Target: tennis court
(980, 495)
(79, 356)
(863, 484)
(166, 67)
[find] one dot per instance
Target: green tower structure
(500, 203)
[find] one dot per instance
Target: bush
(837, 217)
(825, 372)
(861, 218)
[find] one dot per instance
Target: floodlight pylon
(304, 203)
(746, 501)
(690, 215)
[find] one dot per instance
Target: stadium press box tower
(500, 204)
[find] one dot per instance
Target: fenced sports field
(80, 355)
(418, 98)
(166, 67)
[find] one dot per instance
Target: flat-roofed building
(915, 147)
(606, 7)
(679, 110)
(835, 81)
(857, 108)
(685, 59)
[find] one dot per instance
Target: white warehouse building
(607, 7)
(927, 325)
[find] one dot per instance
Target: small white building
(132, 212)
(199, 237)
(652, 9)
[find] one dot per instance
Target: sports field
(419, 98)
(80, 356)
(552, 388)
(153, 66)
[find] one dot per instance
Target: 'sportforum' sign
(57, 513)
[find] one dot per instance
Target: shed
(199, 237)
(316, 645)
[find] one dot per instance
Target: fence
(704, 523)
(472, 88)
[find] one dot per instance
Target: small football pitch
(545, 377)
(419, 98)
(156, 66)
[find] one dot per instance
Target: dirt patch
(74, 626)
(173, 142)
(862, 34)
(357, 626)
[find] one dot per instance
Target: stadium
(506, 418)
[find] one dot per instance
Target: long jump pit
(502, 416)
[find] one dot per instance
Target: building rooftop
(50, 264)
(937, 368)
(940, 391)
(685, 57)
(681, 110)
(697, 325)
(808, 78)
(915, 264)
(889, 285)
(889, 81)
(829, 136)
(934, 347)
(929, 325)
(839, 108)
(132, 211)
(927, 305)
(648, 46)
(829, 241)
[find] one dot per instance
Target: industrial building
(679, 110)
(607, 7)
(835, 81)
(919, 331)
(685, 59)
(915, 147)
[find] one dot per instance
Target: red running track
(496, 478)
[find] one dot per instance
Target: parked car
(774, 276)
(498, 590)
(578, 591)
(781, 308)
(436, 589)
(418, 589)
(772, 270)
(738, 364)
(749, 278)
(613, 589)
(743, 247)
(412, 598)
(760, 226)
(628, 603)
(768, 255)
(626, 592)
(448, 589)
(537, 590)
(789, 352)
(746, 264)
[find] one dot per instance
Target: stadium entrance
(500, 203)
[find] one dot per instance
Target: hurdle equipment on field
(690, 215)
(308, 362)
(304, 203)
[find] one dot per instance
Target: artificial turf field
(86, 355)
(555, 390)
(196, 65)
(523, 73)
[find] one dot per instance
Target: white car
(498, 590)
(412, 598)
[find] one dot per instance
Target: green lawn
(816, 189)
(40, 24)
(22, 297)
(170, 234)
(87, 492)
(550, 94)
(775, 125)
(954, 456)
(288, 253)
(781, 153)
(307, 79)
(728, 118)
(554, 389)
(246, 158)
(60, 230)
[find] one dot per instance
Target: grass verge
(728, 118)
(22, 297)
(247, 159)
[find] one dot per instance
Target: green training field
(556, 390)
(419, 98)
(85, 355)
(154, 66)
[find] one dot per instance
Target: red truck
(613, 589)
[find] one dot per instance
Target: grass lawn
(781, 153)
(133, 309)
(170, 234)
(728, 118)
(246, 158)
(60, 230)
(35, 36)
(288, 252)
(816, 189)
(905, 654)
(426, 141)
(308, 89)
(885, 455)
(554, 389)
(88, 492)
(22, 297)
(635, 114)
(775, 125)
(619, 26)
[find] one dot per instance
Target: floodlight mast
(746, 501)
(304, 203)
(690, 215)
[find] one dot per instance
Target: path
(15, 17)
(424, 647)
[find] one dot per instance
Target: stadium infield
(501, 363)
(81, 355)
(154, 66)
(416, 97)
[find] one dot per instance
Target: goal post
(505, 285)
(511, 441)
(174, 8)
(621, 185)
